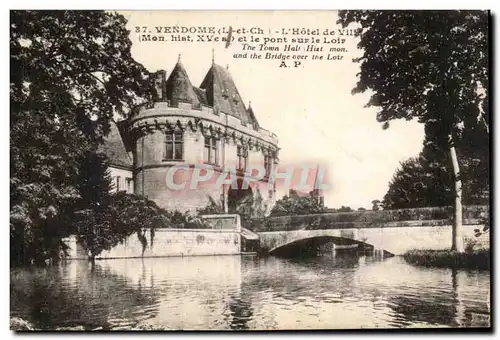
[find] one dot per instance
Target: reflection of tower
(241, 311)
(240, 302)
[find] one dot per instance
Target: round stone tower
(187, 126)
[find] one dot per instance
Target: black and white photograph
(249, 170)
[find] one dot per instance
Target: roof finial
(227, 66)
(213, 56)
(249, 104)
(179, 58)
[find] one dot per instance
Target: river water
(247, 292)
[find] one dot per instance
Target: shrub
(186, 220)
(479, 259)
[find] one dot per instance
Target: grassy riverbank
(478, 259)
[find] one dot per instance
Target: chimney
(160, 85)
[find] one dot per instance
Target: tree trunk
(457, 238)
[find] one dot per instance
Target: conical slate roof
(252, 115)
(114, 147)
(222, 94)
(202, 95)
(179, 87)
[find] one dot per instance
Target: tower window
(174, 146)
(211, 151)
(242, 154)
(268, 164)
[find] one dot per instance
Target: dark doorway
(239, 198)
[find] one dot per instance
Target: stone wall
(155, 188)
(170, 242)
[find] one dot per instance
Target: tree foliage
(71, 71)
(431, 66)
(102, 220)
(294, 204)
(93, 210)
(425, 181)
(344, 209)
(212, 208)
(376, 205)
(416, 185)
(135, 214)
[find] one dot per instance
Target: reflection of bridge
(393, 238)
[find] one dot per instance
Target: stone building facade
(188, 125)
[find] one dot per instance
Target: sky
(310, 108)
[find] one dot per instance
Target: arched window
(174, 146)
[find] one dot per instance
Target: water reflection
(232, 292)
(77, 295)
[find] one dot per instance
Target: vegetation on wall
(212, 208)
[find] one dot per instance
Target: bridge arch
(394, 238)
(278, 241)
(309, 245)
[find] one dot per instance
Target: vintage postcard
(249, 170)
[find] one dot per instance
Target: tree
(376, 205)
(431, 66)
(416, 184)
(297, 205)
(344, 209)
(425, 181)
(132, 214)
(212, 208)
(94, 209)
(71, 72)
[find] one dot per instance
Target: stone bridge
(392, 238)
